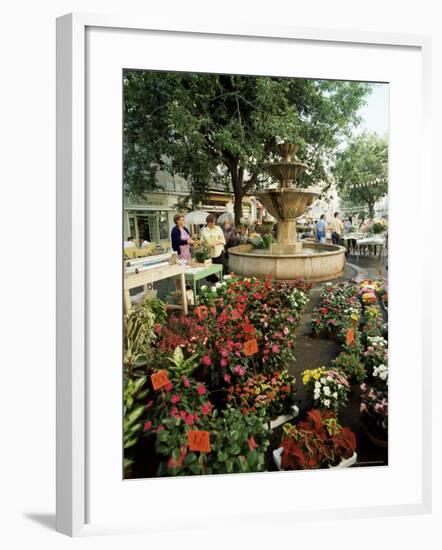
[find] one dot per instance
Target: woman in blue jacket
(181, 239)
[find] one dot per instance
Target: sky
(375, 114)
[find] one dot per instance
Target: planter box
(206, 263)
(345, 463)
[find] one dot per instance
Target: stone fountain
(288, 258)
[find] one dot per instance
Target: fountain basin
(314, 262)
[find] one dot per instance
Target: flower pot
(345, 463)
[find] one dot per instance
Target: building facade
(150, 216)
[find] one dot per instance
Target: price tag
(251, 347)
(159, 379)
(350, 336)
(199, 441)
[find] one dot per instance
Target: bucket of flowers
(318, 442)
(329, 388)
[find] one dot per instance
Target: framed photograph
(241, 277)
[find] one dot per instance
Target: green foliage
(364, 160)
(263, 241)
(201, 251)
(257, 241)
(351, 365)
(158, 308)
(191, 124)
(180, 366)
(135, 392)
(139, 332)
(238, 443)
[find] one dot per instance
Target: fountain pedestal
(287, 238)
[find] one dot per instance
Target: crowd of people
(220, 238)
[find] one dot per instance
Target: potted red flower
(318, 442)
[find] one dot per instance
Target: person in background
(144, 243)
(232, 239)
(181, 239)
(337, 229)
(347, 226)
(129, 243)
(212, 235)
(320, 229)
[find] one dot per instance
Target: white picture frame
(81, 41)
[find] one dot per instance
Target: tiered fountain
(288, 258)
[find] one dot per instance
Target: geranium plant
(328, 388)
(318, 442)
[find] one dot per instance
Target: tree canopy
(361, 171)
(204, 126)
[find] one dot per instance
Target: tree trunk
(238, 208)
(237, 175)
(371, 210)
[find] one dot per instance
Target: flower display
(328, 388)
(339, 308)
(230, 314)
(351, 365)
(274, 393)
(376, 352)
(374, 411)
(318, 442)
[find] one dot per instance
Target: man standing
(337, 228)
(320, 229)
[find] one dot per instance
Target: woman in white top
(212, 235)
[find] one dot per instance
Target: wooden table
(195, 273)
(149, 276)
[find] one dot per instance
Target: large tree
(197, 125)
(361, 171)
